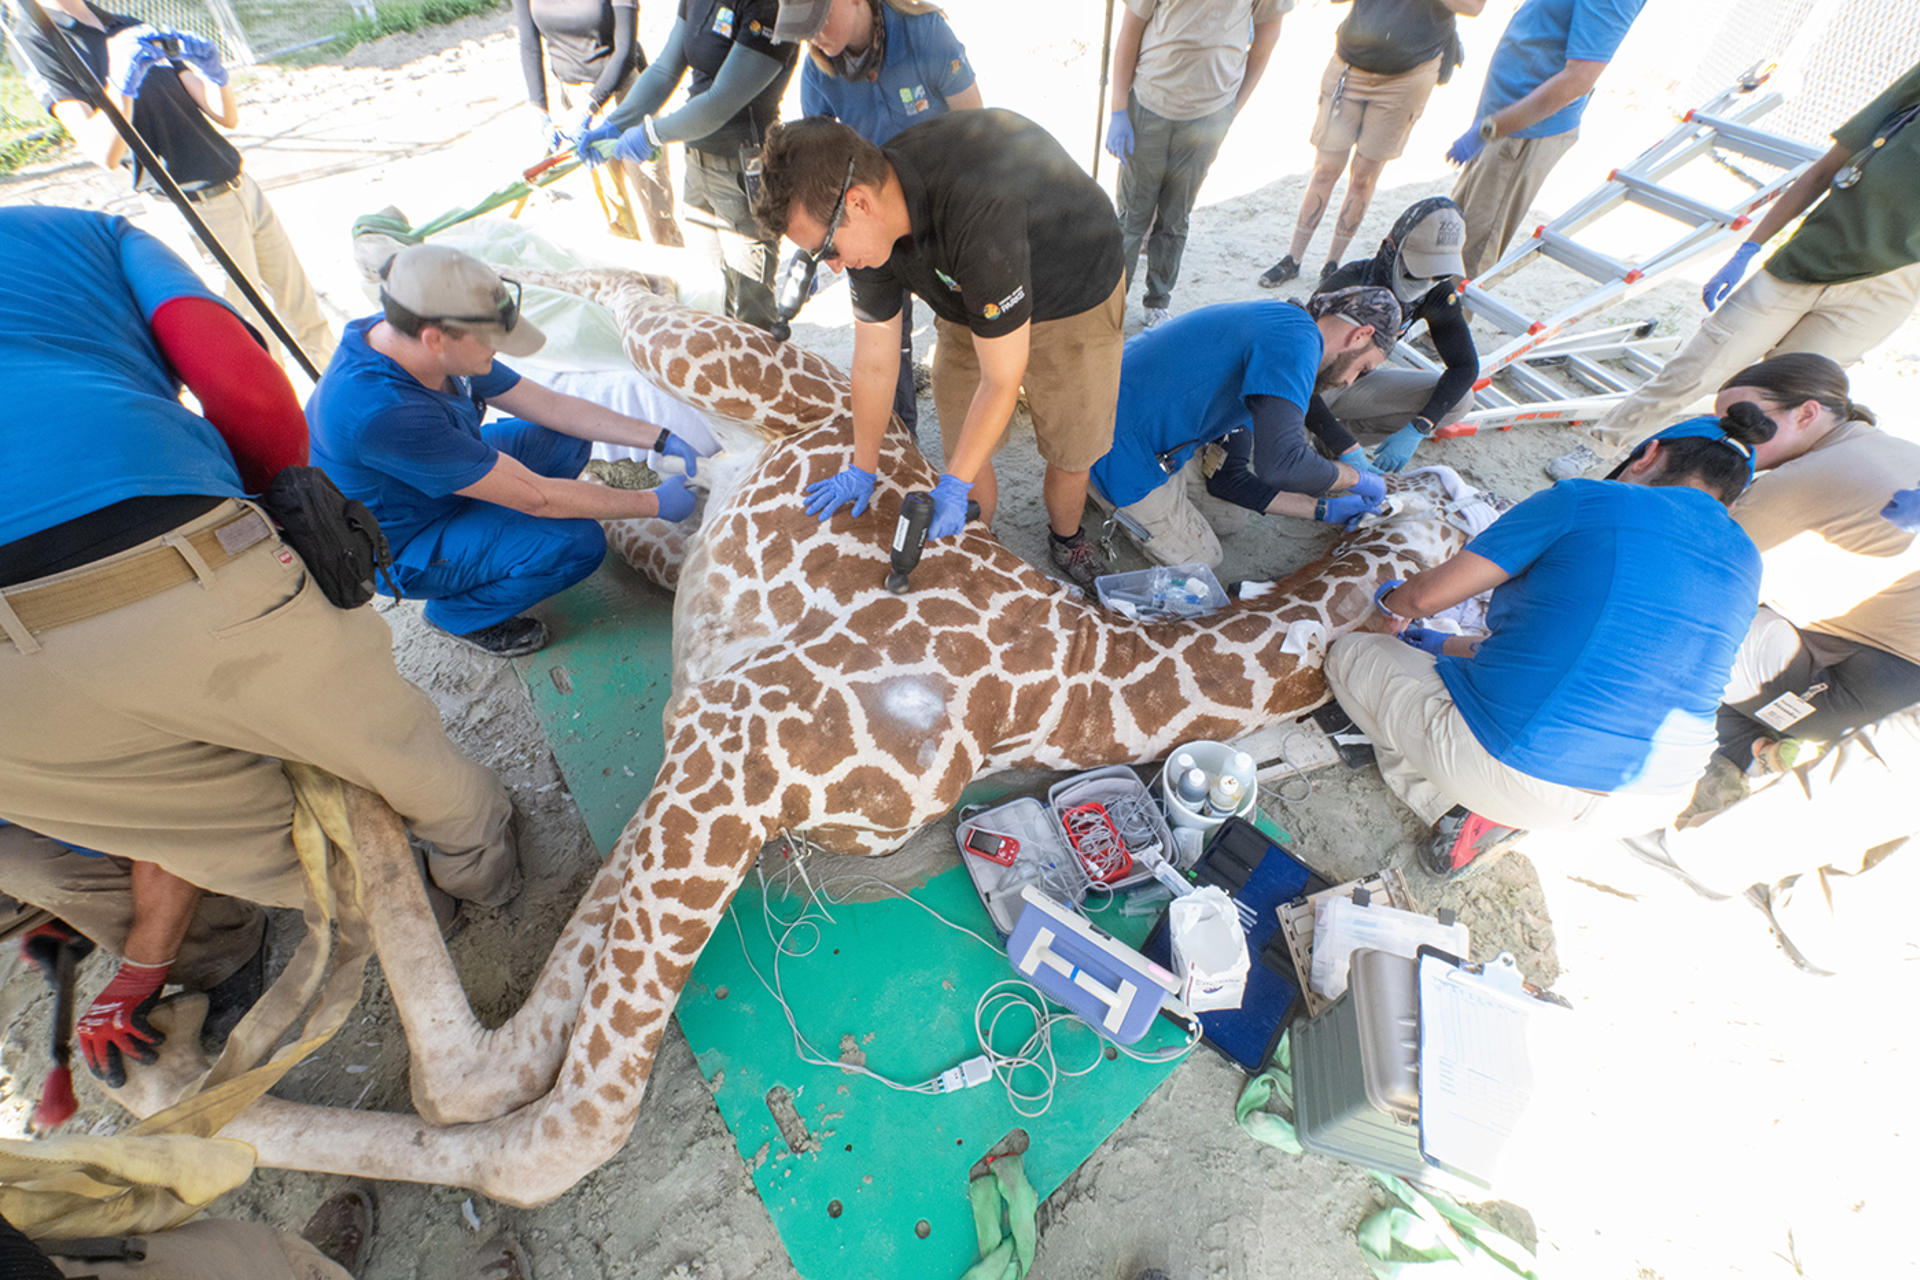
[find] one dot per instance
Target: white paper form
(1476, 1064)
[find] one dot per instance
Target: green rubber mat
(861, 1180)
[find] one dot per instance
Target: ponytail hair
(1799, 376)
(1717, 455)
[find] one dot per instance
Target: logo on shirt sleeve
(914, 99)
(954, 66)
(723, 22)
(993, 309)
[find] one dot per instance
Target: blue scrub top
(1542, 37)
(1186, 382)
(397, 445)
(925, 65)
(93, 412)
(1614, 637)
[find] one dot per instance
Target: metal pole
(150, 162)
(1100, 112)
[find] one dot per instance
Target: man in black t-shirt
(174, 103)
(1017, 252)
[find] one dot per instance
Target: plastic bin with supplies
(1043, 859)
(1164, 591)
(1134, 811)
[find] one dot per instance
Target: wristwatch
(1426, 427)
(1487, 130)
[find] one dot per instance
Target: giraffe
(806, 699)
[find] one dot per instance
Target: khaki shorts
(1368, 113)
(1176, 532)
(1072, 383)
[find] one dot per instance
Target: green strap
(405, 232)
(1426, 1233)
(1006, 1240)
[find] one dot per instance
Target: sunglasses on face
(826, 252)
(506, 308)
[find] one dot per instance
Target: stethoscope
(1851, 174)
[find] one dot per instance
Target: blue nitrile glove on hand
(198, 52)
(548, 136)
(587, 145)
(1356, 458)
(949, 507)
(635, 146)
(674, 447)
(676, 500)
(1345, 507)
(1380, 596)
(1396, 451)
(1120, 136)
(824, 497)
(144, 58)
(1434, 642)
(1727, 278)
(1903, 509)
(1466, 146)
(1371, 487)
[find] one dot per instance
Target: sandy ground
(1730, 1116)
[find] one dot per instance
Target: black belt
(207, 192)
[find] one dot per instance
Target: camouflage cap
(1362, 305)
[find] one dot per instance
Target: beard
(1339, 373)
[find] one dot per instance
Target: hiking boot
(1328, 268)
(500, 1257)
(1576, 461)
(342, 1227)
(1463, 839)
(513, 638)
(1279, 273)
(1075, 556)
(1153, 317)
(229, 999)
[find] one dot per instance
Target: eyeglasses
(825, 253)
(506, 308)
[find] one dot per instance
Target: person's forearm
(1461, 646)
(987, 418)
(559, 499)
(1126, 53)
(1265, 36)
(876, 371)
(1298, 505)
(741, 78)
(656, 84)
(1438, 589)
(1571, 83)
(216, 100)
(163, 907)
(619, 57)
(573, 416)
(1799, 197)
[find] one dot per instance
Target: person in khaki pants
(175, 102)
(161, 649)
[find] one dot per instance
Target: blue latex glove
(1356, 458)
(674, 447)
(144, 59)
(1396, 451)
(1370, 487)
(949, 507)
(824, 497)
(1466, 146)
(1380, 596)
(676, 500)
(635, 147)
(548, 135)
(1726, 278)
(1343, 508)
(1903, 509)
(1120, 136)
(587, 147)
(1425, 638)
(198, 52)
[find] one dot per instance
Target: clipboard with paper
(1481, 1041)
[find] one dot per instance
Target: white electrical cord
(1035, 1054)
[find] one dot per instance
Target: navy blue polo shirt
(925, 64)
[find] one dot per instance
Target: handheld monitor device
(1114, 988)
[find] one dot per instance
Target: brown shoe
(1076, 557)
(342, 1227)
(499, 1257)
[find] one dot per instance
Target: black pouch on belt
(336, 536)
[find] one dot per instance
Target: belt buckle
(241, 532)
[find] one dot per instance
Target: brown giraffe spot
(677, 370)
(796, 804)
(1030, 705)
(878, 618)
(650, 1043)
(702, 894)
(699, 764)
(677, 829)
(872, 793)
(823, 739)
(907, 717)
(817, 562)
(987, 707)
(673, 972)
(599, 995)
(598, 1046)
(1086, 721)
(1220, 676)
(907, 643)
(550, 1128)
(700, 342)
(1021, 647)
(939, 611)
(1153, 696)
(623, 930)
(585, 1115)
(1245, 630)
(785, 603)
(612, 1093)
(585, 957)
(954, 780)
(625, 1020)
(717, 796)
(758, 779)
(628, 961)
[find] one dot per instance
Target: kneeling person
(484, 520)
(1241, 374)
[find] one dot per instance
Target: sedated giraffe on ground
(806, 698)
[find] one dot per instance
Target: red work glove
(117, 1023)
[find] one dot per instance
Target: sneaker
(1575, 462)
(342, 1227)
(1075, 556)
(1279, 273)
(513, 638)
(1463, 839)
(1156, 316)
(1328, 269)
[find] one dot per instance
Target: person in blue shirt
(485, 521)
(1538, 81)
(161, 648)
(1617, 609)
(1240, 374)
(878, 66)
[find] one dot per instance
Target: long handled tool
(57, 951)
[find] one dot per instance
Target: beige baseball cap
(437, 283)
(800, 20)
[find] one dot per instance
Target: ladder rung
(1641, 363)
(1594, 265)
(1591, 375)
(1536, 386)
(1681, 208)
(1770, 148)
(1495, 312)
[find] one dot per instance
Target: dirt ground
(1731, 1116)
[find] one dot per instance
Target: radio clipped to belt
(336, 536)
